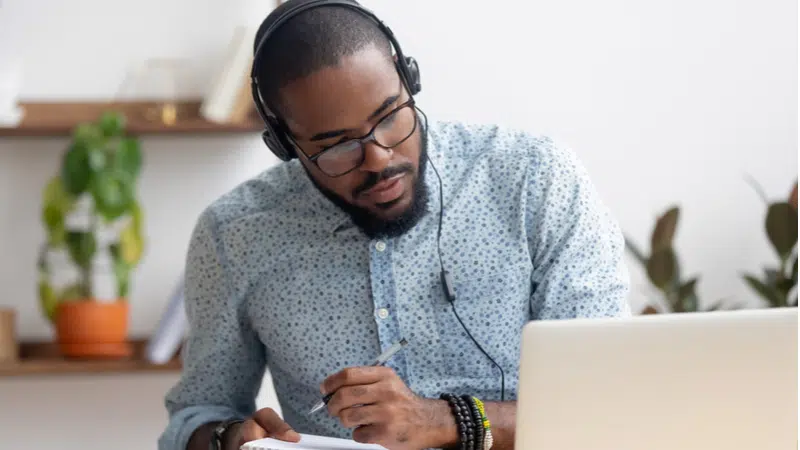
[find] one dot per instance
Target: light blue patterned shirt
(278, 277)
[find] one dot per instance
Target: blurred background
(678, 110)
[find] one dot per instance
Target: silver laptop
(692, 381)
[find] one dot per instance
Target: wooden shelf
(44, 119)
(43, 358)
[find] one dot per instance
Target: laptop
(690, 381)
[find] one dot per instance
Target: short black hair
(310, 41)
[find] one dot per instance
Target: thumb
(274, 426)
(250, 431)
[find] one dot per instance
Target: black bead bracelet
(470, 429)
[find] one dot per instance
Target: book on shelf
(229, 99)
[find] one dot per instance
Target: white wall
(664, 102)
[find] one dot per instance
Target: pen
(379, 361)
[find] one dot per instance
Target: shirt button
(383, 313)
(380, 246)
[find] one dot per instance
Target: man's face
(385, 193)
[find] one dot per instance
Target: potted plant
(778, 285)
(94, 224)
(664, 270)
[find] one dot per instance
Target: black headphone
(275, 133)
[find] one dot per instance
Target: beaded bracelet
(477, 421)
(464, 421)
(487, 426)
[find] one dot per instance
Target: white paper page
(309, 442)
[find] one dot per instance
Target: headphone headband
(274, 135)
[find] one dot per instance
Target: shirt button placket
(383, 291)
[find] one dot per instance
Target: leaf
(794, 271)
(661, 267)
(687, 295)
(664, 231)
(98, 159)
(757, 187)
(48, 301)
(82, 247)
(649, 309)
(122, 273)
(112, 193)
(57, 203)
(75, 170)
(72, 293)
(770, 276)
(768, 293)
(128, 158)
(793, 196)
(111, 123)
(635, 251)
(718, 306)
(781, 225)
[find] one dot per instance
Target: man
(319, 264)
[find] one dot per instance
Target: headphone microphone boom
(275, 133)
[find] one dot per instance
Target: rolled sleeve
(223, 358)
(577, 246)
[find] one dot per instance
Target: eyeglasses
(392, 130)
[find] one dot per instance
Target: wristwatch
(218, 435)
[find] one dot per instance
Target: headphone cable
(445, 276)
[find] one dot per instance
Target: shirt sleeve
(223, 359)
(576, 245)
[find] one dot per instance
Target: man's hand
(264, 423)
(384, 411)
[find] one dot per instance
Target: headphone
(275, 134)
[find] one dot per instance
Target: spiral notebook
(309, 442)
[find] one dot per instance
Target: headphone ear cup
(412, 69)
(277, 142)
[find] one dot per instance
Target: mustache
(374, 177)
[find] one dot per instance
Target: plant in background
(778, 283)
(664, 270)
(91, 197)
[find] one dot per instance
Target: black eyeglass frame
(363, 140)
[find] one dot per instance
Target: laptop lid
(691, 381)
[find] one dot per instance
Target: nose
(376, 158)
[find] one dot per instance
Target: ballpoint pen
(379, 361)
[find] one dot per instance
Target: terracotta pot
(90, 329)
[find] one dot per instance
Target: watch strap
(218, 435)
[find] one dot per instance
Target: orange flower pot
(90, 329)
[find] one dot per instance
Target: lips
(386, 190)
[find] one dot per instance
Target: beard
(376, 227)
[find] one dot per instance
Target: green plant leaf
(661, 267)
(719, 305)
(687, 295)
(128, 158)
(770, 276)
(635, 251)
(111, 123)
(71, 293)
(794, 271)
(112, 193)
(122, 273)
(767, 292)
(82, 247)
(781, 225)
(664, 231)
(57, 203)
(76, 173)
(87, 135)
(757, 187)
(48, 301)
(98, 159)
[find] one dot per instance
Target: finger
(349, 396)
(250, 431)
(370, 434)
(355, 375)
(275, 427)
(362, 415)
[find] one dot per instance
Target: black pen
(379, 361)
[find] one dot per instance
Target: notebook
(309, 442)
